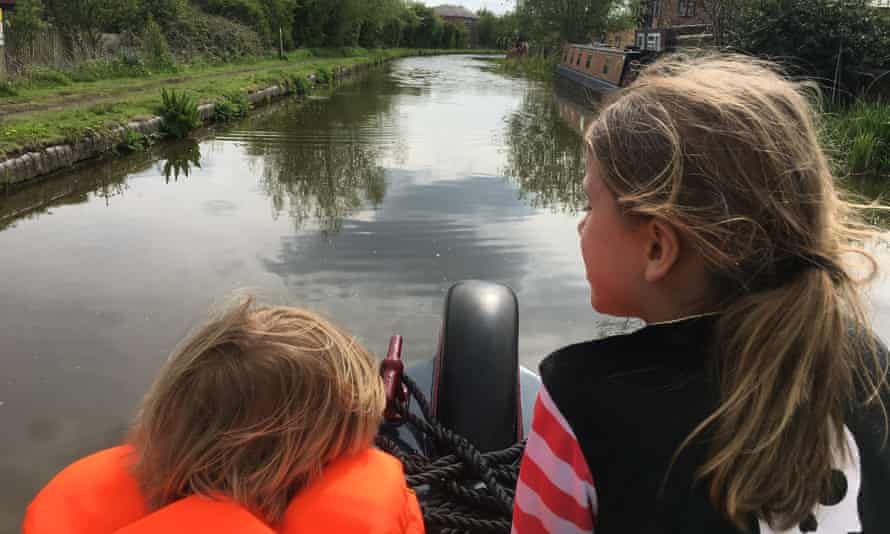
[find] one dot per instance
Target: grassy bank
(860, 134)
(535, 67)
(53, 108)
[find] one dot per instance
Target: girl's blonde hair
(725, 149)
(253, 406)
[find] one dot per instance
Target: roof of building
(455, 12)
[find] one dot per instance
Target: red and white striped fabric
(555, 492)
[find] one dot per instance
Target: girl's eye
(586, 208)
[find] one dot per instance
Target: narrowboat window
(686, 8)
(589, 58)
(578, 60)
(605, 68)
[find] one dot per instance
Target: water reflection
(322, 162)
(104, 182)
(546, 156)
(181, 159)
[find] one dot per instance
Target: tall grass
(534, 67)
(861, 134)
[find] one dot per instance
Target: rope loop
(461, 489)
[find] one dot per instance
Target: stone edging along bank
(19, 170)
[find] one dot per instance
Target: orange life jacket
(364, 494)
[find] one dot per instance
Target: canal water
(365, 206)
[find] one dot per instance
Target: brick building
(457, 15)
(675, 13)
(667, 24)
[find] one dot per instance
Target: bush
(232, 106)
(106, 69)
(302, 86)
(324, 75)
(156, 47)
(7, 89)
(339, 51)
(39, 76)
(534, 67)
(26, 23)
(133, 142)
(180, 114)
(217, 39)
(263, 16)
(810, 35)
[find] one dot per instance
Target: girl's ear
(662, 249)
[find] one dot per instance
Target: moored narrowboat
(601, 69)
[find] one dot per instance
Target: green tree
(380, 20)
(547, 21)
(833, 41)
(429, 29)
(454, 36)
(507, 29)
(26, 23)
(622, 16)
(156, 46)
(485, 29)
(264, 16)
(165, 12)
(723, 14)
(310, 19)
(331, 22)
(83, 21)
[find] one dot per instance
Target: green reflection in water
(104, 179)
(545, 152)
(546, 155)
(181, 159)
(328, 165)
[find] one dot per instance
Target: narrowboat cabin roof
(597, 67)
(602, 48)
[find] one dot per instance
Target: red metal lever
(391, 370)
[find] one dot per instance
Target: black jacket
(631, 400)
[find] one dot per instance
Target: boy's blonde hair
(725, 149)
(253, 406)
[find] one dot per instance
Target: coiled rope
(461, 490)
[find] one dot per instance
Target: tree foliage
(486, 29)
(822, 39)
(374, 23)
(226, 29)
(549, 23)
(26, 23)
(266, 17)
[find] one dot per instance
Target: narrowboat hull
(586, 81)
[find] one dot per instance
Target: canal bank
(43, 142)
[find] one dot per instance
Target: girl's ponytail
(785, 366)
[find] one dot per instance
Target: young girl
(754, 400)
(262, 422)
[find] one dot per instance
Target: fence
(51, 49)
